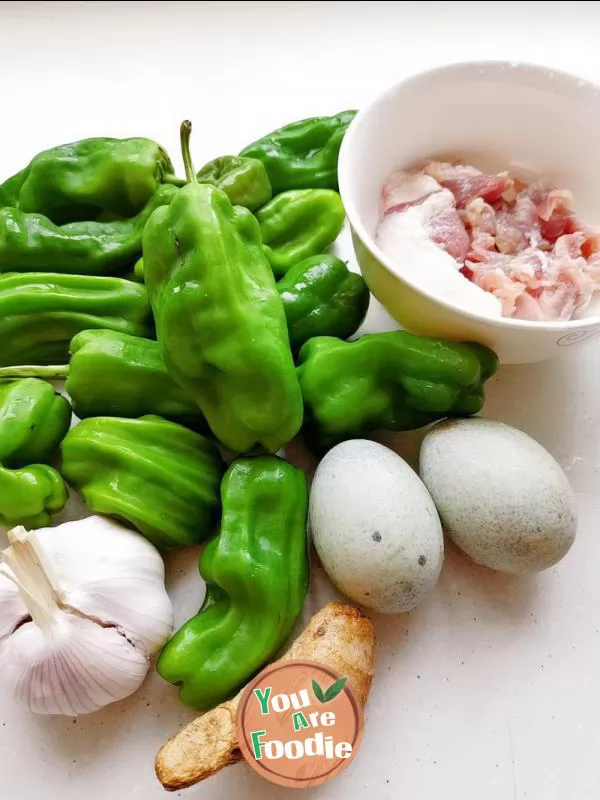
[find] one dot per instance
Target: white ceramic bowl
(531, 120)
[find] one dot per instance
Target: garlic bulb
(83, 608)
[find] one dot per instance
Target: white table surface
(490, 690)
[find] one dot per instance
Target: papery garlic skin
(12, 608)
(83, 608)
(113, 574)
(75, 668)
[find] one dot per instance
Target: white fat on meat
(406, 189)
(406, 237)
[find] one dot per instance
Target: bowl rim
(546, 73)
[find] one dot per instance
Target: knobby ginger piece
(338, 635)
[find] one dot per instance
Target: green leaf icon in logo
(318, 692)
(335, 689)
(331, 693)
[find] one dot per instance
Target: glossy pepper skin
(322, 298)
(256, 572)
(303, 155)
(298, 224)
(115, 374)
(138, 270)
(32, 243)
(219, 319)
(160, 477)
(397, 381)
(80, 180)
(33, 421)
(244, 180)
(30, 495)
(41, 312)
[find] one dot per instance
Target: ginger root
(338, 636)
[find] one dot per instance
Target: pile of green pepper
(194, 320)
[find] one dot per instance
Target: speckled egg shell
(375, 527)
(501, 496)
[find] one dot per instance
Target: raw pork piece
(467, 182)
(519, 243)
(553, 207)
(433, 208)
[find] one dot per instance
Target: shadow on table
(90, 738)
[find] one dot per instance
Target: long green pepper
(299, 224)
(33, 420)
(161, 478)
(219, 320)
(303, 155)
(84, 179)
(256, 572)
(32, 243)
(322, 297)
(395, 381)
(244, 180)
(41, 312)
(116, 374)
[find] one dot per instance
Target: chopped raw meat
(480, 217)
(466, 182)
(553, 207)
(507, 277)
(593, 268)
(519, 243)
(496, 281)
(517, 227)
(447, 231)
(556, 303)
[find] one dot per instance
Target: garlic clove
(112, 574)
(73, 666)
(12, 608)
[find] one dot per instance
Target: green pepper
(32, 243)
(397, 381)
(160, 477)
(256, 572)
(29, 496)
(322, 298)
(80, 180)
(303, 155)
(33, 421)
(138, 271)
(219, 320)
(41, 312)
(296, 225)
(115, 374)
(244, 180)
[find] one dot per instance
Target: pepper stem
(173, 180)
(184, 134)
(33, 371)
